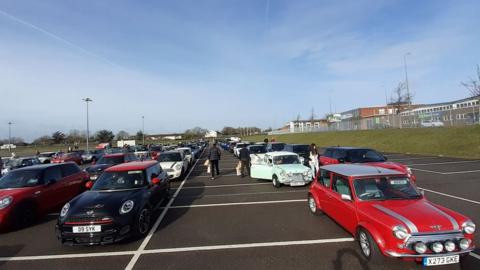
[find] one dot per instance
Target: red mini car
(388, 215)
(68, 157)
(337, 155)
(33, 191)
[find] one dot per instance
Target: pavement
(242, 223)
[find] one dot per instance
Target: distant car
(68, 157)
(303, 150)
(257, 152)
(141, 151)
(16, 163)
(238, 147)
(196, 150)
(187, 152)
(336, 155)
(46, 157)
(389, 216)
(282, 168)
(118, 205)
(155, 150)
(174, 163)
(33, 191)
(107, 161)
(275, 146)
(92, 155)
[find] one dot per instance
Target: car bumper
(111, 233)
(421, 256)
(174, 174)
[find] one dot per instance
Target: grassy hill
(461, 142)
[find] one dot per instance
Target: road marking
(221, 186)
(208, 176)
(232, 204)
(251, 245)
(400, 159)
(446, 162)
(67, 256)
(445, 173)
(451, 196)
(246, 193)
(147, 239)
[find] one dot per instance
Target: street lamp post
(143, 130)
(10, 137)
(409, 102)
(87, 100)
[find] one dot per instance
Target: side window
(53, 173)
(70, 169)
(328, 153)
(340, 185)
(324, 178)
(339, 154)
(153, 172)
(133, 157)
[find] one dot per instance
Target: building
(306, 125)
(211, 134)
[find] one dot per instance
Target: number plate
(295, 184)
(87, 229)
(441, 260)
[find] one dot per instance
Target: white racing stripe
(451, 196)
(147, 239)
(233, 204)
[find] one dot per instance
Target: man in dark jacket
(244, 157)
(214, 154)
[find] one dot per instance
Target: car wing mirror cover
(89, 184)
(155, 181)
(346, 197)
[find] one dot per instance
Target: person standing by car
(214, 156)
(244, 157)
(313, 159)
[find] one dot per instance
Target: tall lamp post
(409, 101)
(10, 137)
(143, 130)
(87, 100)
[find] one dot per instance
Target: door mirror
(89, 185)
(346, 197)
(155, 181)
(341, 160)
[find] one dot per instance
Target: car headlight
(6, 201)
(289, 174)
(464, 244)
(400, 232)
(409, 170)
(420, 247)
(283, 173)
(65, 209)
(178, 167)
(468, 227)
(127, 207)
(437, 247)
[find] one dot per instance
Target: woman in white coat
(313, 162)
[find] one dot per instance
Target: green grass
(463, 142)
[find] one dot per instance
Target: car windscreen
(278, 146)
(22, 178)
(46, 154)
(287, 159)
(120, 180)
(169, 157)
(156, 148)
(301, 148)
(364, 155)
(385, 188)
(257, 150)
(111, 160)
(14, 162)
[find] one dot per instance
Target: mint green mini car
(282, 168)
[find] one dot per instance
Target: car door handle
(37, 192)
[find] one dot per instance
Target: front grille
(297, 177)
(88, 220)
(433, 237)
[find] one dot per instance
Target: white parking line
(67, 256)
(446, 162)
(451, 196)
(218, 176)
(247, 193)
(222, 186)
(232, 204)
(445, 173)
(401, 159)
(147, 239)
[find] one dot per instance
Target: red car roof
(132, 166)
(115, 155)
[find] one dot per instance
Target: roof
(346, 147)
(170, 152)
(115, 155)
(41, 166)
(280, 153)
(359, 170)
(131, 166)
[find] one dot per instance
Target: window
(338, 153)
(153, 172)
(70, 169)
(340, 185)
(53, 173)
(324, 178)
(328, 153)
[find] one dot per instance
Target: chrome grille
(433, 237)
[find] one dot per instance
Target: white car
(238, 147)
(257, 152)
(174, 163)
(46, 157)
(188, 154)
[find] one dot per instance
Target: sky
(221, 63)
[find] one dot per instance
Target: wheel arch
(376, 235)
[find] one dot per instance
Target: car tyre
(312, 206)
(275, 182)
(143, 222)
(24, 216)
(369, 247)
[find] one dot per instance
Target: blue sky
(216, 63)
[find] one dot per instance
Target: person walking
(214, 154)
(313, 159)
(244, 157)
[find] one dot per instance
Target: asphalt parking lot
(235, 223)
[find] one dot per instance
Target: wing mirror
(346, 197)
(155, 181)
(89, 185)
(341, 160)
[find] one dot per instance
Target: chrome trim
(450, 218)
(399, 255)
(410, 225)
(433, 237)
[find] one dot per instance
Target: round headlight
(178, 167)
(437, 247)
(400, 232)
(420, 247)
(6, 201)
(127, 207)
(468, 227)
(449, 246)
(464, 244)
(283, 173)
(65, 209)
(289, 174)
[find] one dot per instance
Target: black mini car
(118, 205)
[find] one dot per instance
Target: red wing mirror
(155, 181)
(89, 184)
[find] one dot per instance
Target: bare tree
(400, 97)
(473, 84)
